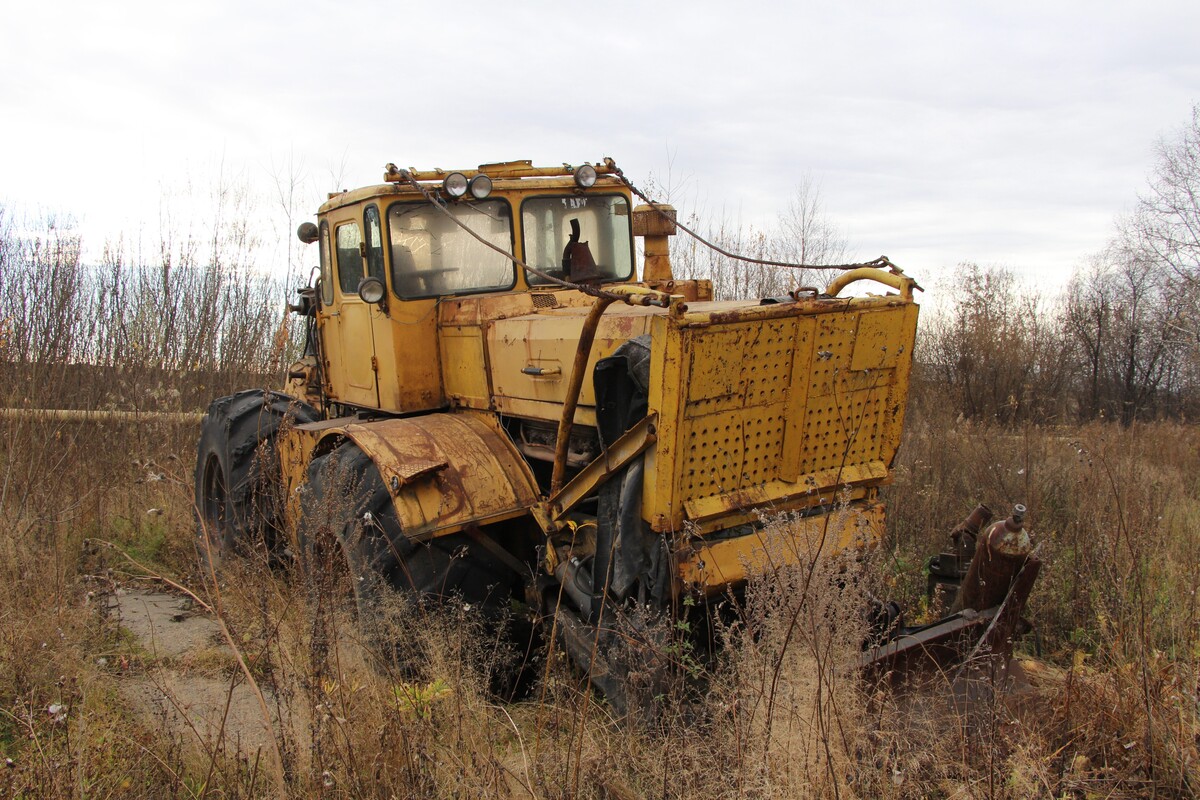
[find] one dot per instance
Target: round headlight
(585, 176)
(371, 290)
(455, 184)
(481, 186)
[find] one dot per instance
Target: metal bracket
(629, 446)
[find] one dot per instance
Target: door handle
(541, 372)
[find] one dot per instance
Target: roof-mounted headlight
(480, 186)
(455, 185)
(585, 176)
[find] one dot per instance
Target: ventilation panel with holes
(779, 413)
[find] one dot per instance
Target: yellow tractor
(525, 415)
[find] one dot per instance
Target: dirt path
(190, 685)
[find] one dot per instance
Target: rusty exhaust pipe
(947, 569)
(582, 350)
(1000, 555)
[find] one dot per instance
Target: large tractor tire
(350, 524)
(237, 471)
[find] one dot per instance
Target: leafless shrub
(1125, 317)
(996, 350)
(803, 234)
(126, 335)
(1168, 212)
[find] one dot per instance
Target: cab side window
(326, 266)
(374, 242)
(349, 257)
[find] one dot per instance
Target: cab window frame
(390, 247)
(352, 291)
(537, 283)
(326, 255)
(375, 263)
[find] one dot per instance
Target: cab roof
(507, 177)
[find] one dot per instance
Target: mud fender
(447, 472)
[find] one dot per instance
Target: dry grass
(1113, 711)
(1115, 513)
(779, 713)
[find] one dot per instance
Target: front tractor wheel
(237, 471)
(353, 539)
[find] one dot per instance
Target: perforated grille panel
(842, 430)
(845, 416)
(775, 409)
(737, 404)
(729, 451)
(544, 301)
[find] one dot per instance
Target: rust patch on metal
(454, 470)
(962, 637)
(410, 470)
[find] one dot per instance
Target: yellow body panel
(407, 341)
(447, 472)
(712, 566)
(548, 341)
(774, 406)
(358, 350)
(463, 359)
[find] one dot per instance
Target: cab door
(346, 321)
(356, 329)
(381, 326)
(374, 356)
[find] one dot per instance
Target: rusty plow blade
(998, 578)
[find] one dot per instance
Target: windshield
(581, 239)
(431, 255)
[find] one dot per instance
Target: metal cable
(879, 263)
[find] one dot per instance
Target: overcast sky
(938, 132)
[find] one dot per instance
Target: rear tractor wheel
(237, 471)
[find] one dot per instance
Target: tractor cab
(391, 254)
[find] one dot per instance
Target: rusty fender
(447, 472)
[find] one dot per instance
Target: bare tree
(1123, 317)
(802, 234)
(806, 234)
(1088, 321)
(997, 349)
(293, 199)
(731, 278)
(1168, 211)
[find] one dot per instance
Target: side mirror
(307, 232)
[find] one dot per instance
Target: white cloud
(939, 131)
